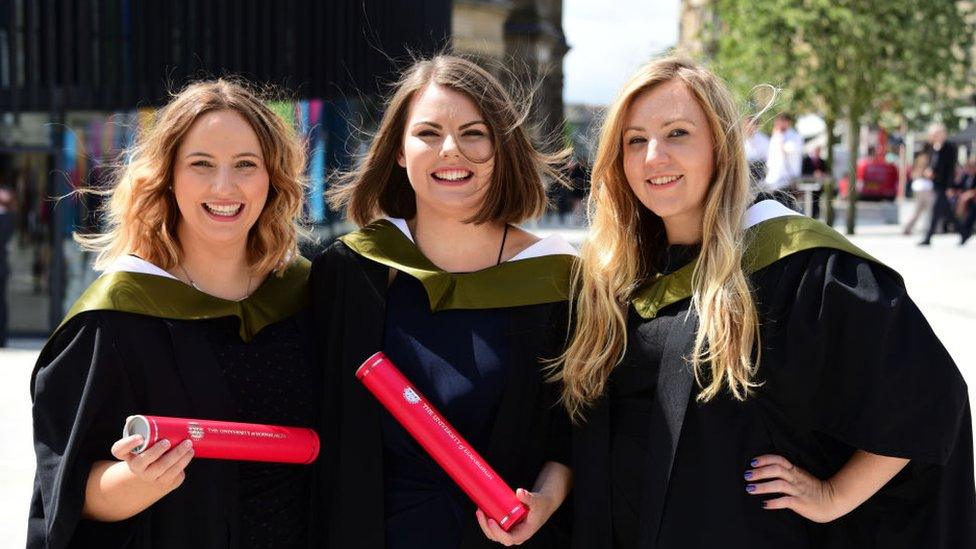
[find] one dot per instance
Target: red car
(877, 180)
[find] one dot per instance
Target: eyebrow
(668, 123)
(208, 155)
(439, 127)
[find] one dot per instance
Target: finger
(772, 487)
(771, 471)
(785, 502)
(140, 462)
(483, 523)
(169, 475)
(771, 459)
(157, 468)
(499, 535)
(526, 497)
(124, 446)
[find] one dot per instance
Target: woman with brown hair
(465, 303)
(198, 315)
(741, 375)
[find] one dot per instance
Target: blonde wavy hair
(378, 185)
(141, 214)
(624, 235)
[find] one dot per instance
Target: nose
(449, 147)
(223, 181)
(657, 154)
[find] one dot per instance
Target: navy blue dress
(457, 358)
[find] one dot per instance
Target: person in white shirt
(784, 158)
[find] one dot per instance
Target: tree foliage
(852, 60)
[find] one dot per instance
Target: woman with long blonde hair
(740, 375)
(198, 314)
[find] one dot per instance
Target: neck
(221, 271)
(453, 245)
(684, 229)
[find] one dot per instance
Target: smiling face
(220, 180)
(668, 157)
(447, 152)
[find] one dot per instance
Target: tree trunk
(829, 185)
(853, 146)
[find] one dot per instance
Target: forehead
(221, 129)
(436, 102)
(663, 103)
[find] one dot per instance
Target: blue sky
(609, 40)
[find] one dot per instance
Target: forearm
(860, 478)
(114, 493)
(554, 480)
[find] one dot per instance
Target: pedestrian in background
(784, 157)
(966, 202)
(757, 147)
(815, 166)
(922, 191)
(941, 170)
(7, 207)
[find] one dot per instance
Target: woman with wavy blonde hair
(198, 314)
(739, 374)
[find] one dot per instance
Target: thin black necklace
(502, 248)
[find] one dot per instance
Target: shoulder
(336, 255)
(89, 338)
(828, 281)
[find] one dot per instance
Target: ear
(401, 160)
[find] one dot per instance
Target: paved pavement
(941, 279)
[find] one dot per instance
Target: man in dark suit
(942, 170)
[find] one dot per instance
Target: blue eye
(246, 164)
(636, 140)
(678, 133)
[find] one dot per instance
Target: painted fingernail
(165, 443)
(754, 462)
(750, 487)
(764, 504)
(188, 444)
(748, 475)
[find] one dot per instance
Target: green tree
(849, 60)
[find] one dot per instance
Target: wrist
(838, 501)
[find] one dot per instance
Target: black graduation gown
(348, 304)
(103, 365)
(848, 362)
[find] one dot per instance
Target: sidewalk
(941, 279)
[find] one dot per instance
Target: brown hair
(142, 214)
(379, 186)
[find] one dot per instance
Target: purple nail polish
(748, 475)
(750, 487)
(754, 462)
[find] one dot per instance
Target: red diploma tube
(227, 439)
(426, 425)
